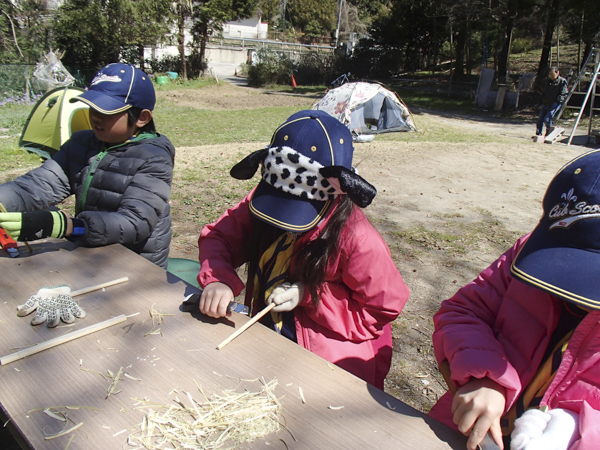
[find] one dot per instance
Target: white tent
(367, 109)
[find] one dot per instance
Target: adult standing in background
(555, 92)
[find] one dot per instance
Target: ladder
(591, 92)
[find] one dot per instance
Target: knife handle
(6, 241)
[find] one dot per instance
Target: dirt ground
(447, 210)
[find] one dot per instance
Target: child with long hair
(309, 249)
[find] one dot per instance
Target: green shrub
(315, 68)
(521, 45)
(272, 67)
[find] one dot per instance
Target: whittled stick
(247, 325)
(98, 286)
(61, 340)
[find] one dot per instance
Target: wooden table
(180, 355)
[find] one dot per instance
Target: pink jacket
(362, 295)
(499, 327)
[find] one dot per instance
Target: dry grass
(229, 419)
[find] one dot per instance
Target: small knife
(191, 303)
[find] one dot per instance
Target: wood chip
(335, 407)
(132, 378)
(62, 433)
(113, 385)
(52, 414)
(301, 394)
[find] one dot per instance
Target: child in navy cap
(521, 343)
(120, 172)
(309, 249)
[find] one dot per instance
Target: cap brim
(566, 272)
(101, 102)
(286, 211)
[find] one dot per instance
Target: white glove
(44, 293)
(56, 308)
(536, 430)
(286, 296)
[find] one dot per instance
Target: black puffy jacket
(122, 192)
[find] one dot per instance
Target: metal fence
(17, 84)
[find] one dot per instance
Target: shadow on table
(37, 247)
(454, 439)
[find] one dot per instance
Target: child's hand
(286, 296)
(214, 299)
(477, 408)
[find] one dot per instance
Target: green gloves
(29, 226)
(52, 303)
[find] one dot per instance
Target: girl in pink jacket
(309, 249)
(520, 345)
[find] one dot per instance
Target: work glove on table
(538, 430)
(33, 225)
(52, 303)
(286, 296)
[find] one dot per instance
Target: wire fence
(17, 84)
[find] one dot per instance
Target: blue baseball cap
(117, 88)
(562, 254)
(292, 195)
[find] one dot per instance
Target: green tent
(53, 120)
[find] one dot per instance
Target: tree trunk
(461, 43)
(203, 42)
(142, 60)
(552, 6)
(181, 41)
(504, 54)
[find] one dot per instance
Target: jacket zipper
(102, 154)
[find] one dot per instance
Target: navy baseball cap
(562, 254)
(117, 88)
(292, 195)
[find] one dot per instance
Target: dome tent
(53, 120)
(367, 108)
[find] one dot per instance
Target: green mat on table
(186, 269)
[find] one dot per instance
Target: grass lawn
(188, 126)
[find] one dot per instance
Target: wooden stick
(247, 325)
(61, 340)
(98, 286)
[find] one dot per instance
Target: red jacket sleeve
(222, 247)
(464, 329)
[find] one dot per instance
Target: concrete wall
(217, 55)
(252, 29)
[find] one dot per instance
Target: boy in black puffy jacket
(120, 173)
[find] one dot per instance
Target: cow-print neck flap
(292, 172)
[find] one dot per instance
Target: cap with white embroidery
(562, 254)
(117, 88)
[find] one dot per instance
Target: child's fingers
(496, 433)
(214, 300)
(480, 428)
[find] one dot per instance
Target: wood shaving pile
(229, 419)
(157, 319)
